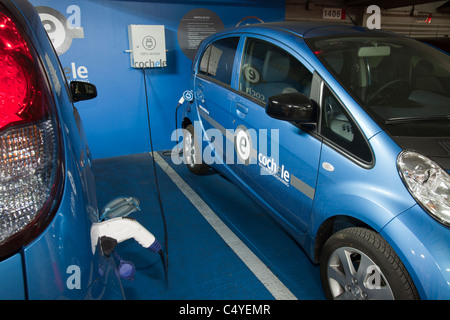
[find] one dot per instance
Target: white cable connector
(122, 229)
(188, 95)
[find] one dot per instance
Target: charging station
(147, 46)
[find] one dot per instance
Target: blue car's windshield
(403, 84)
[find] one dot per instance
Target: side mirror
(295, 107)
(82, 91)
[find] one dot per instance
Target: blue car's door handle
(241, 110)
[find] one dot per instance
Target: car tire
(192, 152)
(357, 263)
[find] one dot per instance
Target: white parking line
(259, 269)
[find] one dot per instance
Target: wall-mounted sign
(334, 13)
(423, 17)
(147, 46)
(195, 26)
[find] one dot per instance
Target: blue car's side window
(338, 127)
(218, 59)
(267, 70)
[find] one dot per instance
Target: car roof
(304, 29)
(442, 43)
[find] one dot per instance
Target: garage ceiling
(445, 8)
(385, 4)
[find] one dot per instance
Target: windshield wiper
(400, 120)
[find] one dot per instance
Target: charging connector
(120, 229)
(107, 234)
(188, 95)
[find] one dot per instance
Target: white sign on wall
(147, 46)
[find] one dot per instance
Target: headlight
(427, 182)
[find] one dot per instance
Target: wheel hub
(357, 292)
(348, 276)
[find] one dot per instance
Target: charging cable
(188, 95)
(166, 249)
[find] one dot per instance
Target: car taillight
(29, 147)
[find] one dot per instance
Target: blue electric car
(47, 190)
(343, 134)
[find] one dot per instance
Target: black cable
(166, 250)
(176, 127)
(161, 254)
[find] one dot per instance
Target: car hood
(436, 148)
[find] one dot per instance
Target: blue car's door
(212, 84)
(277, 160)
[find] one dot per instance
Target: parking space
(223, 247)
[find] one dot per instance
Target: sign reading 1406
(334, 13)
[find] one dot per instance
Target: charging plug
(121, 229)
(188, 95)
